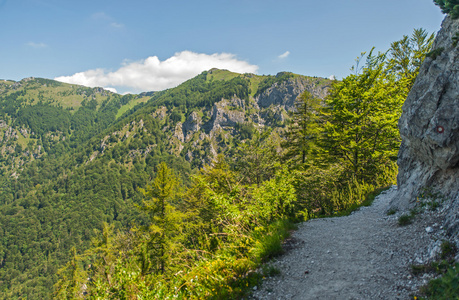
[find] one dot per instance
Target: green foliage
(360, 129)
(246, 130)
(435, 53)
(405, 219)
(199, 92)
(369, 198)
(428, 199)
(345, 148)
(256, 160)
(455, 39)
(391, 211)
(44, 118)
(361, 121)
(322, 191)
(163, 231)
(450, 7)
(229, 229)
(448, 250)
(303, 129)
(407, 54)
(70, 286)
(445, 287)
(270, 271)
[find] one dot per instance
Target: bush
(445, 287)
(450, 7)
(404, 220)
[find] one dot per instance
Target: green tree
(256, 160)
(163, 231)
(361, 120)
(407, 54)
(450, 7)
(362, 110)
(72, 279)
(103, 249)
(303, 128)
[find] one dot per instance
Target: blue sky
(141, 45)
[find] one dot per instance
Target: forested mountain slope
(74, 157)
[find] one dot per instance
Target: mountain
(74, 157)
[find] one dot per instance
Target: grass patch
(405, 219)
(436, 267)
(369, 198)
(269, 243)
(391, 211)
(270, 271)
(131, 105)
(231, 276)
(446, 286)
(435, 53)
(448, 250)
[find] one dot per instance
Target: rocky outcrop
(191, 125)
(160, 113)
(429, 128)
(178, 132)
(285, 93)
(227, 113)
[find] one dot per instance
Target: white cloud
(101, 16)
(332, 77)
(284, 55)
(36, 45)
(113, 90)
(152, 74)
(117, 25)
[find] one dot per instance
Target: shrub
(445, 287)
(450, 7)
(404, 220)
(448, 250)
(391, 211)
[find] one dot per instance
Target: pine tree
(303, 129)
(450, 7)
(163, 232)
(104, 251)
(72, 282)
(256, 160)
(407, 54)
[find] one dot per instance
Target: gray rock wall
(285, 93)
(429, 128)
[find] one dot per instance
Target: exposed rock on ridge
(285, 93)
(429, 128)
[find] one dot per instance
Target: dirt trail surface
(366, 255)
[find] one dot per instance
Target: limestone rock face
(191, 125)
(178, 133)
(429, 127)
(285, 93)
(227, 113)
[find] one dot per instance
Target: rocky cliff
(429, 126)
(285, 93)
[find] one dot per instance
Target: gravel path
(362, 256)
